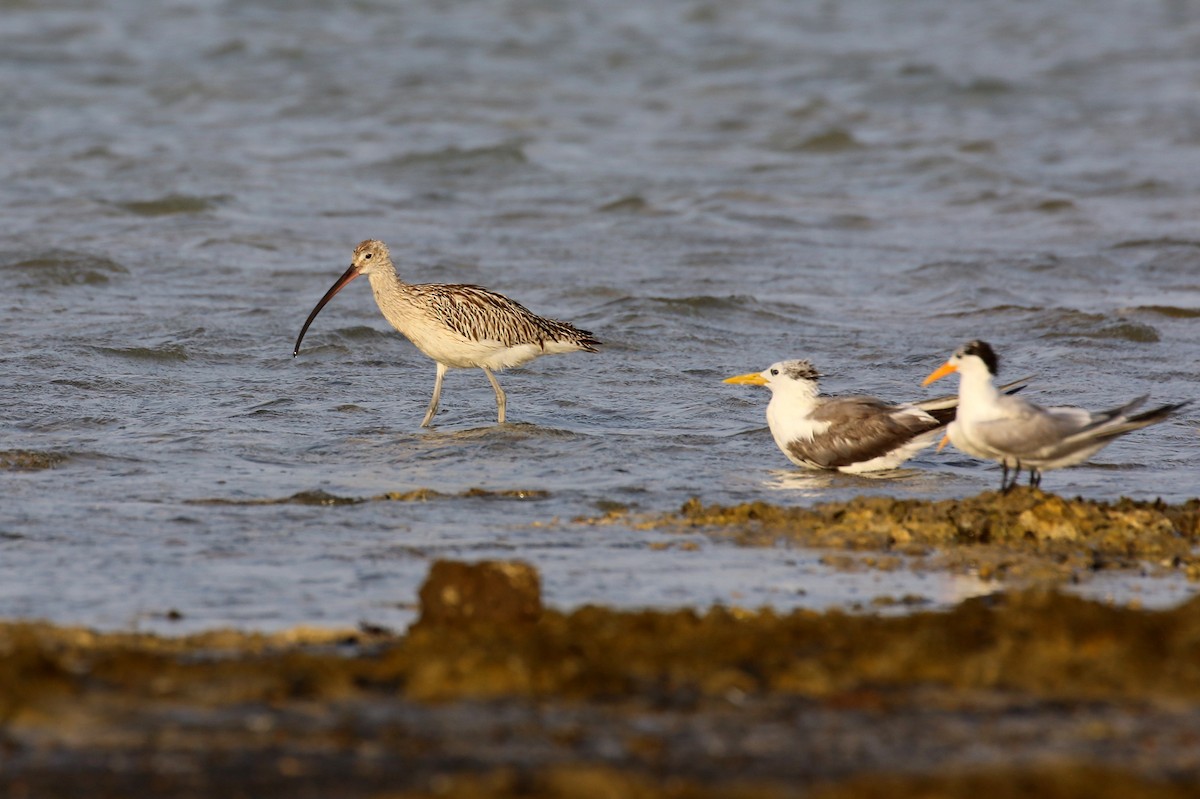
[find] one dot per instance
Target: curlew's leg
(1035, 478)
(437, 395)
(1003, 475)
(501, 400)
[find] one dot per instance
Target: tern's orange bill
(942, 444)
(940, 372)
(346, 277)
(752, 379)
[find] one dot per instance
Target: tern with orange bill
(458, 326)
(852, 433)
(1019, 434)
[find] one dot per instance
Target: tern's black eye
(774, 372)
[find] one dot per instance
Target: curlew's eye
(367, 256)
(774, 372)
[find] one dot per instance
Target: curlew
(851, 434)
(1021, 435)
(459, 326)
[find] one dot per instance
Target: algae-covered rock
(494, 592)
(1024, 534)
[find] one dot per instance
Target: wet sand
(1023, 693)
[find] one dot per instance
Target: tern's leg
(437, 395)
(1016, 470)
(501, 400)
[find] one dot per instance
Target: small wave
(1053, 206)
(344, 338)
(1049, 205)
(850, 222)
(366, 333)
(171, 353)
(992, 310)
(459, 161)
(28, 460)
(1053, 323)
(985, 86)
(1128, 331)
(1147, 188)
(939, 271)
(171, 204)
(706, 302)
(1158, 243)
(92, 384)
(61, 269)
(630, 310)
(73, 424)
(1064, 323)
(632, 204)
(704, 319)
(978, 146)
(1171, 311)
(833, 140)
(270, 407)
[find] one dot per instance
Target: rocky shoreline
(1025, 536)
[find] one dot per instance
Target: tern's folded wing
(859, 429)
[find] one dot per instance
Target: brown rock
(491, 591)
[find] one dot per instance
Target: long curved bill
(754, 378)
(940, 372)
(346, 277)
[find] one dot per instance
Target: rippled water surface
(709, 187)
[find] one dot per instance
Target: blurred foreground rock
(490, 592)
(490, 695)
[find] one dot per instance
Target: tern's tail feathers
(1122, 410)
(1158, 414)
(1120, 424)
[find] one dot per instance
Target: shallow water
(709, 188)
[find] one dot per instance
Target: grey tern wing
(859, 429)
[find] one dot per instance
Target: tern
(458, 326)
(850, 434)
(1019, 434)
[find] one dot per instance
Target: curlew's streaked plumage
(1021, 435)
(459, 326)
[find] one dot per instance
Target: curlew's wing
(482, 315)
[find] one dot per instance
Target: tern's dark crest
(800, 370)
(985, 353)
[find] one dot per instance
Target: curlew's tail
(587, 342)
